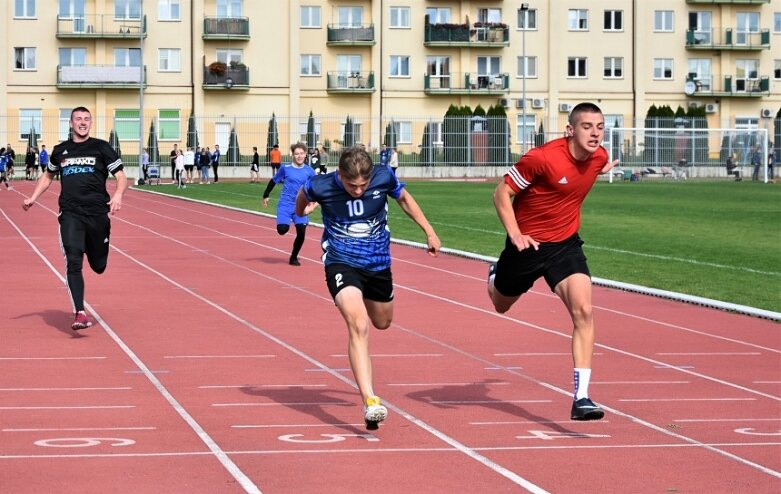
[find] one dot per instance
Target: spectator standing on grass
(770, 162)
(180, 170)
(206, 159)
(732, 169)
(538, 203)
(9, 167)
(254, 167)
(43, 159)
(144, 164)
(30, 164)
(292, 176)
(216, 162)
(756, 162)
(356, 245)
(189, 164)
(3, 163)
(394, 160)
(172, 156)
(323, 164)
(83, 163)
(275, 159)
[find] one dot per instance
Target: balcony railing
(727, 39)
(351, 82)
(728, 86)
(339, 35)
(467, 83)
(100, 26)
(479, 35)
(99, 76)
(226, 28)
(233, 77)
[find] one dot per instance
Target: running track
(216, 367)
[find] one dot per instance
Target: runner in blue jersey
(292, 176)
(356, 245)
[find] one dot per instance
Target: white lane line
(66, 389)
(707, 354)
(426, 385)
(392, 355)
(288, 404)
(74, 429)
(539, 354)
(683, 399)
(639, 382)
(84, 407)
(213, 447)
(285, 426)
(231, 386)
(533, 422)
(217, 356)
(776, 419)
(486, 402)
(53, 358)
(766, 382)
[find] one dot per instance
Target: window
(169, 124)
(403, 132)
(127, 57)
(229, 56)
(435, 130)
(127, 9)
(70, 57)
(357, 132)
(576, 67)
(663, 21)
(747, 23)
(229, 8)
(302, 130)
(24, 8)
(614, 20)
(777, 22)
(701, 24)
(399, 66)
(349, 64)
(525, 129)
(614, 120)
(438, 72)
(24, 58)
(29, 119)
(530, 19)
(64, 123)
(168, 10)
(438, 15)
(349, 16)
(310, 16)
(72, 9)
(663, 68)
(776, 69)
(614, 67)
(399, 17)
(493, 16)
(489, 66)
(527, 67)
(577, 19)
(169, 60)
(310, 65)
(700, 72)
(746, 75)
(126, 123)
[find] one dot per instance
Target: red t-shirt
(551, 186)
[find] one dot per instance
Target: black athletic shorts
(516, 271)
(86, 235)
(375, 285)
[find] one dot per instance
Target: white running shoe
(374, 413)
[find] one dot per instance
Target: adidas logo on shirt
(563, 181)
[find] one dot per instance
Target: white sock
(582, 378)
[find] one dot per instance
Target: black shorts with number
(82, 235)
(375, 285)
(516, 271)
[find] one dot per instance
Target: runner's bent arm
(115, 204)
(41, 186)
(503, 202)
(410, 206)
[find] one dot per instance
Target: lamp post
(525, 10)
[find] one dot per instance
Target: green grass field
(719, 240)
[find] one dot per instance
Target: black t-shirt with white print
(84, 168)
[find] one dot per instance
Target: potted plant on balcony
(218, 68)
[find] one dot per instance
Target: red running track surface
(214, 366)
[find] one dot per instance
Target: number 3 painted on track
(83, 442)
(329, 438)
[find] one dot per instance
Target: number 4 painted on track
(329, 438)
(551, 435)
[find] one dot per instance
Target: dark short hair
(80, 109)
(355, 162)
(299, 145)
(584, 107)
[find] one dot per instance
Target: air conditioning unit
(538, 103)
(694, 104)
(520, 104)
(766, 113)
(711, 108)
(504, 102)
(565, 107)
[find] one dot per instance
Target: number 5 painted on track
(329, 438)
(83, 442)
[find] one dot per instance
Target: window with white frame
(777, 22)
(349, 16)
(230, 55)
(489, 66)
(168, 10)
(230, 8)
(127, 9)
(126, 122)
(29, 119)
(64, 124)
(613, 120)
(400, 18)
(310, 16)
(302, 126)
(525, 128)
(349, 65)
(491, 16)
(438, 15)
(169, 60)
(527, 67)
(399, 66)
(357, 131)
(777, 69)
(614, 67)
(310, 65)
(663, 21)
(614, 20)
(24, 58)
(702, 24)
(577, 19)
(700, 68)
(435, 130)
(24, 9)
(403, 132)
(663, 68)
(527, 19)
(576, 67)
(169, 124)
(747, 24)
(72, 57)
(127, 57)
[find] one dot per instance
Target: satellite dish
(690, 88)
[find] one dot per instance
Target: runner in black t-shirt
(83, 164)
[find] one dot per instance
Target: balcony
(727, 87)
(341, 35)
(226, 28)
(98, 77)
(727, 40)
(467, 84)
(100, 26)
(727, 2)
(351, 82)
(479, 35)
(235, 76)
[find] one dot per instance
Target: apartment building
(234, 63)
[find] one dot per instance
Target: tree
(498, 135)
(390, 135)
(151, 145)
(349, 133)
(233, 154)
(311, 133)
(113, 141)
(272, 137)
(426, 147)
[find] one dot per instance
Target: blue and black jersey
(356, 230)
